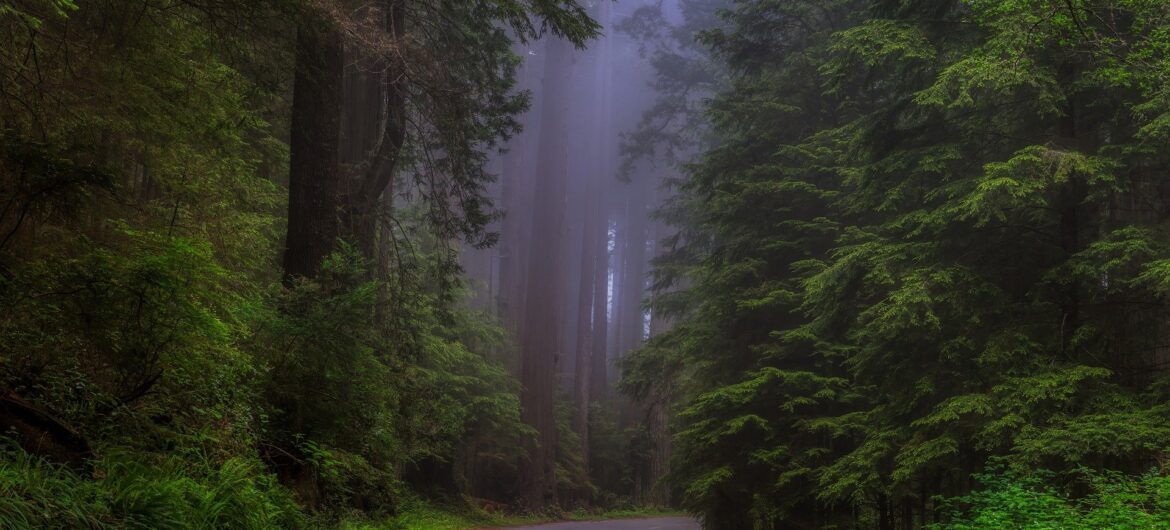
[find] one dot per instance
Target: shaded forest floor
(435, 517)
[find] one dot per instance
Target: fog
(571, 270)
(417, 263)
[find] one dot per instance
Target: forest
(454, 264)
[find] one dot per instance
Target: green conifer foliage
(930, 235)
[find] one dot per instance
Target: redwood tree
(542, 320)
(451, 107)
(314, 175)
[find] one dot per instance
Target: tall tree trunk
(659, 401)
(604, 143)
(372, 176)
(632, 326)
(598, 382)
(584, 355)
(539, 355)
(659, 427)
(517, 184)
(314, 175)
(593, 281)
(621, 221)
(324, 203)
(885, 517)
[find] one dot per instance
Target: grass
(635, 513)
(424, 516)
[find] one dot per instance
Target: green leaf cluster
(1015, 499)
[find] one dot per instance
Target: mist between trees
(782, 264)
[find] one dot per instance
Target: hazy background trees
(571, 272)
(790, 264)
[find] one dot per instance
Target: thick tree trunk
(659, 401)
(604, 143)
(326, 204)
(381, 80)
(539, 356)
(632, 326)
(599, 360)
(649, 473)
(584, 355)
(661, 447)
(314, 174)
(594, 270)
(517, 184)
(885, 518)
(617, 259)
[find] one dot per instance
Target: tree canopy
(926, 233)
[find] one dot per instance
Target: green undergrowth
(142, 490)
(424, 515)
(124, 490)
(630, 513)
(1086, 500)
(427, 516)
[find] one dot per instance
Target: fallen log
(41, 433)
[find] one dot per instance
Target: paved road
(657, 523)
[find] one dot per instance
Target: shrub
(1015, 499)
(138, 491)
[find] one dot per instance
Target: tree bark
(584, 355)
(618, 282)
(517, 186)
(632, 318)
(314, 173)
(598, 382)
(539, 356)
(325, 203)
(373, 172)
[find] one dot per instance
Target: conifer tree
(919, 244)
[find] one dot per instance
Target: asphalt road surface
(657, 523)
